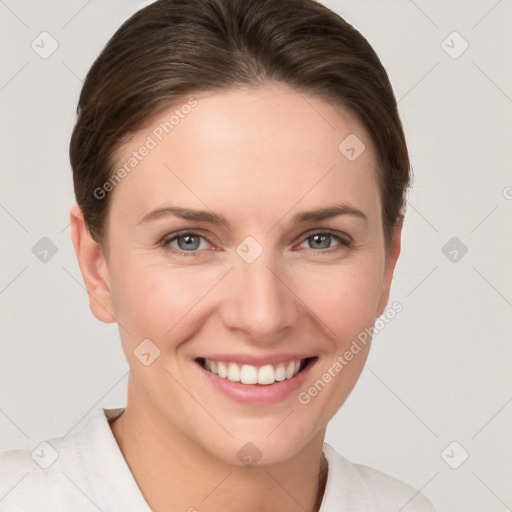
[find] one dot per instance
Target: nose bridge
(259, 302)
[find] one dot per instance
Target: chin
(256, 446)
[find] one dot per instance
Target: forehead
(233, 148)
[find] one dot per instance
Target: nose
(259, 301)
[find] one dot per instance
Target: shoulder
(52, 476)
(355, 487)
(35, 480)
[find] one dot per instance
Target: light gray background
(439, 372)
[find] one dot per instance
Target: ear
(391, 258)
(93, 266)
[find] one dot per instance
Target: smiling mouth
(250, 374)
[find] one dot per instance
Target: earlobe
(391, 259)
(93, 267)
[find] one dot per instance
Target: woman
(240, 172)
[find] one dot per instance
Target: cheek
(344, 297)
(158, 302)
(345, 300)
(154, 301)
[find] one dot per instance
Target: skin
(256, 156)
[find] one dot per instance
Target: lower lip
(257, 394)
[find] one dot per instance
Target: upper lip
(256, 360)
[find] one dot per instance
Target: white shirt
(86, 471)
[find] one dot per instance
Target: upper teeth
(249, 374)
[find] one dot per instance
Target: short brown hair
(174, 47)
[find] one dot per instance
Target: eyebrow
(328, 213)
(214, 218)
(185, 213)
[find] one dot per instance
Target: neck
(174, 473)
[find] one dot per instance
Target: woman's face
(245, 237)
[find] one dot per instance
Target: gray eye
(188, 242)
(319, 241)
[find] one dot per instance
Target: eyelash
(344, 242)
